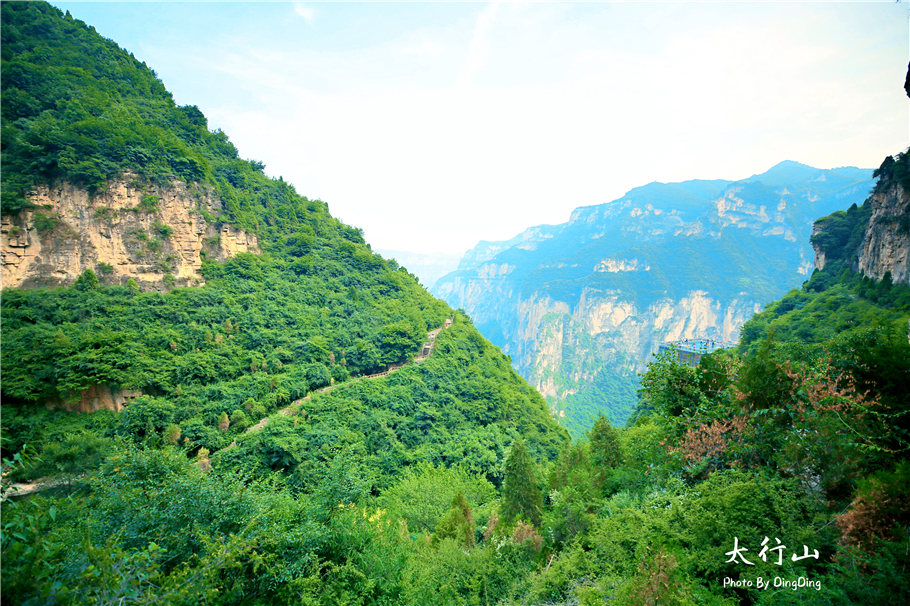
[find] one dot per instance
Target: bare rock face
(820, 259)
(562, 351)
(154, 234)
(95, 398)
(886, 244)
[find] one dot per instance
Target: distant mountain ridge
(581, 306)
(428, 267)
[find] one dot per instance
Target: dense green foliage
(256, 326)
(77, 107)
(462, 407)
(894, 169)
(443, 482)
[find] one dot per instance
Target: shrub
(46, 223)
(239, 420)
(172, 434)
(148, 204)
(881, 509)
(163, 230)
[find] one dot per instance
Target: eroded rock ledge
(97, 397)
(154, 234)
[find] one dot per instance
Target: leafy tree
(146, 416)
(87, 281)
(422, 495)
(605, 450)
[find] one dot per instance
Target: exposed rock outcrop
(820, 254)
(154, 234)
(886, 244)
(100, 397)
(563, 349)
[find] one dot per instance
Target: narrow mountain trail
(18, 489)
(290, 410)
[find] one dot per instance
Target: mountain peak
(785, 172)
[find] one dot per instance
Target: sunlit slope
(200, 365)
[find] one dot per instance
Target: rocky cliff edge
(886, 243)
(155, 234)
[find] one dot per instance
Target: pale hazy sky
(435, 125)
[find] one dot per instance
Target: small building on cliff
(690, 351)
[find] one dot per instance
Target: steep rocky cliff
(154, 234)
(872, 239)
(581, 307)
(886, 243)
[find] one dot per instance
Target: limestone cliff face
(582, 306)
(886, 244)
(563, 349)
(154, 234)
(820, 254)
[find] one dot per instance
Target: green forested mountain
(840, 296)
(76, 107)
(317, 307)
(233, 479)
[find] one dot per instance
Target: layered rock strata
(154, 234)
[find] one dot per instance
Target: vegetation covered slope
(264, 331)
(838, 297)
(431, 485)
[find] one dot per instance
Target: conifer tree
(606, 454)
(520, 494)
(458, 523)
(605, 450)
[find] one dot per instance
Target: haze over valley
(581, 307)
